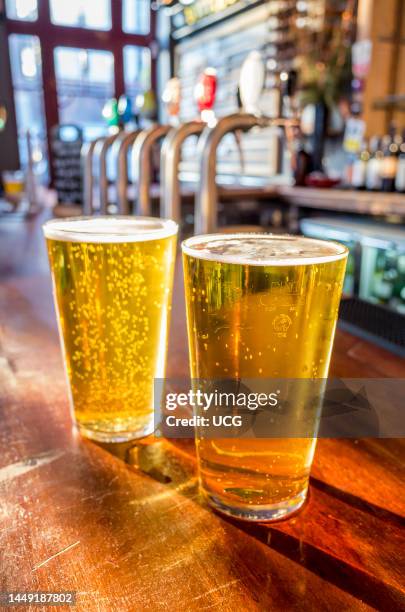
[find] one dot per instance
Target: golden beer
(112, 279)
(260, 306)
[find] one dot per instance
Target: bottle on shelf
(373, 172)
(359, 169)
(390, 161)
(400, 176)
(288, 84)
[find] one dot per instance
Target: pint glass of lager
(259, 307)
(112, 281)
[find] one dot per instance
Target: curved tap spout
(169, 163)
(120, 150)
(206, 200)
(207, 196)
(100, 152)
(141, 160)
(87, 156)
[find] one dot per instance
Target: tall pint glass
(259, 307)
(112, 280)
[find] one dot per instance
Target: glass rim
(341, 251)
(63, 229)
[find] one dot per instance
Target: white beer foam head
(263, 249)
(109, 229)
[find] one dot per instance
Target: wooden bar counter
(125, 527)
(347, 201)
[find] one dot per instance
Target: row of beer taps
(138, 145)
(142, 142)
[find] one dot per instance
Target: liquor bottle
(384, 288)
(400, 303)
(390, 161)
(303, 167)
(398, 260)
(288, 83)
(373, 172)
(359, 170)
(400, 176)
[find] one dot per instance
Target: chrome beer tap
(170, 196)
(120, 151)
(142, 168)
(250, 86)
(207, 195)
(205, 90)
(100, 153)
(87, 158)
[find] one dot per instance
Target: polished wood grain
(125, 527)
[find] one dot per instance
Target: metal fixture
(170, 196)
(87, 156)
(119, 151)
(100, 155)
(207, 195)
(141, 160)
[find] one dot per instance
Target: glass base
(274, 512)
(115, 436)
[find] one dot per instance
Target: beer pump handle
(205, 93)
(250, 87)
(251, 82)
(171, 98)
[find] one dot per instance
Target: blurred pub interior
(92, 93)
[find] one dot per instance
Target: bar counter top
(374, 203)
(125, 527)
(344, 200)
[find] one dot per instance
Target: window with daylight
(84, 82)
(92, 14)
(22, 10)
(136, 16)
(137, 69)
(68, 57)
(26, 73)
